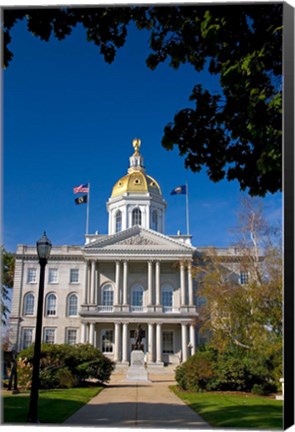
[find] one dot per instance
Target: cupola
(136, 198)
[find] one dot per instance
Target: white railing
(105, 308)
(169, 309)
(137, 309)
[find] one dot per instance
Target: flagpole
(187, 215)
(87, 210)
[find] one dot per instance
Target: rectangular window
(49, 335)
(71, 336)
(32, 275)
(168, 342)
(53, 276)
(107, 341)
(244, 277)
(74, 276)
(27, 337)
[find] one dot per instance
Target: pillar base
(121, 365)
(155, 365)
(158, 308)
(184, 308)
(125, 308)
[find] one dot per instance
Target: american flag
(82, 188)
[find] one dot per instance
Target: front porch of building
(163, 343)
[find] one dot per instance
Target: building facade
(102, 291)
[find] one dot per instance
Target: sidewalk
(138, 404)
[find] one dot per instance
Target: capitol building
(99, 293)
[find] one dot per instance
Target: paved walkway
(138, 404)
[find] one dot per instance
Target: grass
(54, 406)
(234, 410)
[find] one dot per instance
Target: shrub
(259, 389)
(236, 369)
(65, 378)
(24, 373)
(99, 369)
(68, 365)
(196, 372)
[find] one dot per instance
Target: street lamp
(43, 250)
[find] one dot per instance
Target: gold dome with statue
(136, 181)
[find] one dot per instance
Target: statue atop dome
(136, 144)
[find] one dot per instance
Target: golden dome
(136, 182)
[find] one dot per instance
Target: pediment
(138, 238)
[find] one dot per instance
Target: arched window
(167, 297)
(118, 221)
(155, 220)
(108, 295)
(136, 217)
(137, 298)
(72, 305)
(29, 303)
(51, 305)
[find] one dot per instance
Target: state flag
(81, 199)
(179, 190)
(82, 188)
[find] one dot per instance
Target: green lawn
(234, 410)
(54, 406)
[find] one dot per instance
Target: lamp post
(43, 250)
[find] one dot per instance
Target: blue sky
(69, 118)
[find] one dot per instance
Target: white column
(83, 333)
(117, 293)
(182, 284)
(190, 285)
(192, 336)
(96, 300)
(125, 280)
(151, 342)
(125, 343)
(159, 343)
(92, 282)
(85, 284)
(158, 283)
(117, 341)
(91, 333)
(150, 283)
(184, 341)
(88, 283)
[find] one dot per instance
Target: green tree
(7, 282)
(235, 133)
(249, 315)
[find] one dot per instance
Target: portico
(164, 341)
(139, 276)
